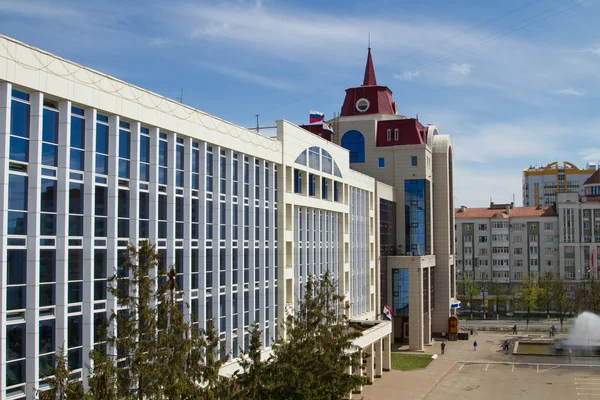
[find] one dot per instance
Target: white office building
(91, 163)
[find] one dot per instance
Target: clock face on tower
(362, 105)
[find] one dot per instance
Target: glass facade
(400, 292)
(416, 205)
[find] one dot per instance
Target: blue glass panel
(311, 185)
(48, 224)
(102, 138)
(49, 155)
(75, 225)
(19, 119)
(101, 117)
(162, 176)
(50, 126)
(48, 199)
(123, 124)
(209, 184)
(77, 111)
(179, 178)
(75, 198)
(324, 188)
(381, 162)
(415, 210)
(124, 144)
(195, 161)
(179, 162)
(17, 195)
(314, 157)
(144, 149)
(77, 160)
(301, 159)
(400, 284)
(19, 149)
(145, 172)
(101, 164)
(162, 135)
(15, 342)
(78, 132)
(354, 142)
(46, 338)
(16, 297)
(20, 95)
(336, 186)
(297, 181)
(17, 267)
(209, 164)
(336, 170)
(123, 169)
(17, 223)
(163, 156)
(144, 130)
(47, 295)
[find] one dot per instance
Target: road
(521, 324)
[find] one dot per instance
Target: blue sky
(515, 82)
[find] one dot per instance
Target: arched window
(354, 142)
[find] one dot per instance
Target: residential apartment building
(579, 231)
(503, 243)
(542, 184)
(91, 163)
(415, 163)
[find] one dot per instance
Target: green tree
(215, 385)
(252, 378)
(563, 301)
(469, 289)
(529, 294)
(546, 291)
(314, 361)
(61, 386)
(102, 374)
(499, 292)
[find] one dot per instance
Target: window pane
(48, 200)
(144, 149)
(163, 148)
(46, 336)
(48, 224)
(101, 200)
(50, 126)
(124, 144)
(75, 198)
(145, 172)
(77, 160)
(78, 133)
(15, 373)
(123, 169)
(101, 164)
(17, 223)
(19, 119)
(17, 195)
(17, 267)
(16, 297)
(75, 225)
(19, 149)
(47, 295)
(47, 265)
(102, 138)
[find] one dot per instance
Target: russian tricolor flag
(387, 312)
(316, 117)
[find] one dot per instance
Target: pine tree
(252, 378)
(314, 361)
(102, 375)
(61, 387)
(215, 386)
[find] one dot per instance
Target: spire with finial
(369, 70)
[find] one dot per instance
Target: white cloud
(460, 69)
(473, 187)
(158, 42)
(591, 154)
(407, 76)
(569, 92)
(248, 76)
(592, 50)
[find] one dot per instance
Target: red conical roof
(369, 72)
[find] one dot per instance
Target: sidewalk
(416, 384)
(409, 385)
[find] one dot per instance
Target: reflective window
(50, 126)
(101, 147)
(354, 142)
(19, 149)
(19, 118)
(400, 291)
(416, 195)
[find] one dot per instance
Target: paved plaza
(489, 373)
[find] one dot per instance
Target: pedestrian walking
(515, 329)
(443, 347)
(570, 355)
(475, 345)
(506, 346)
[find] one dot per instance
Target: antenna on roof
(257, 126)
(180, 98)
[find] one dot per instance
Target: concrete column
(358, 371)
(33, 243)
(415, 293)
(379, 358)
(5, 106)
(387, 353)
(370, 363)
